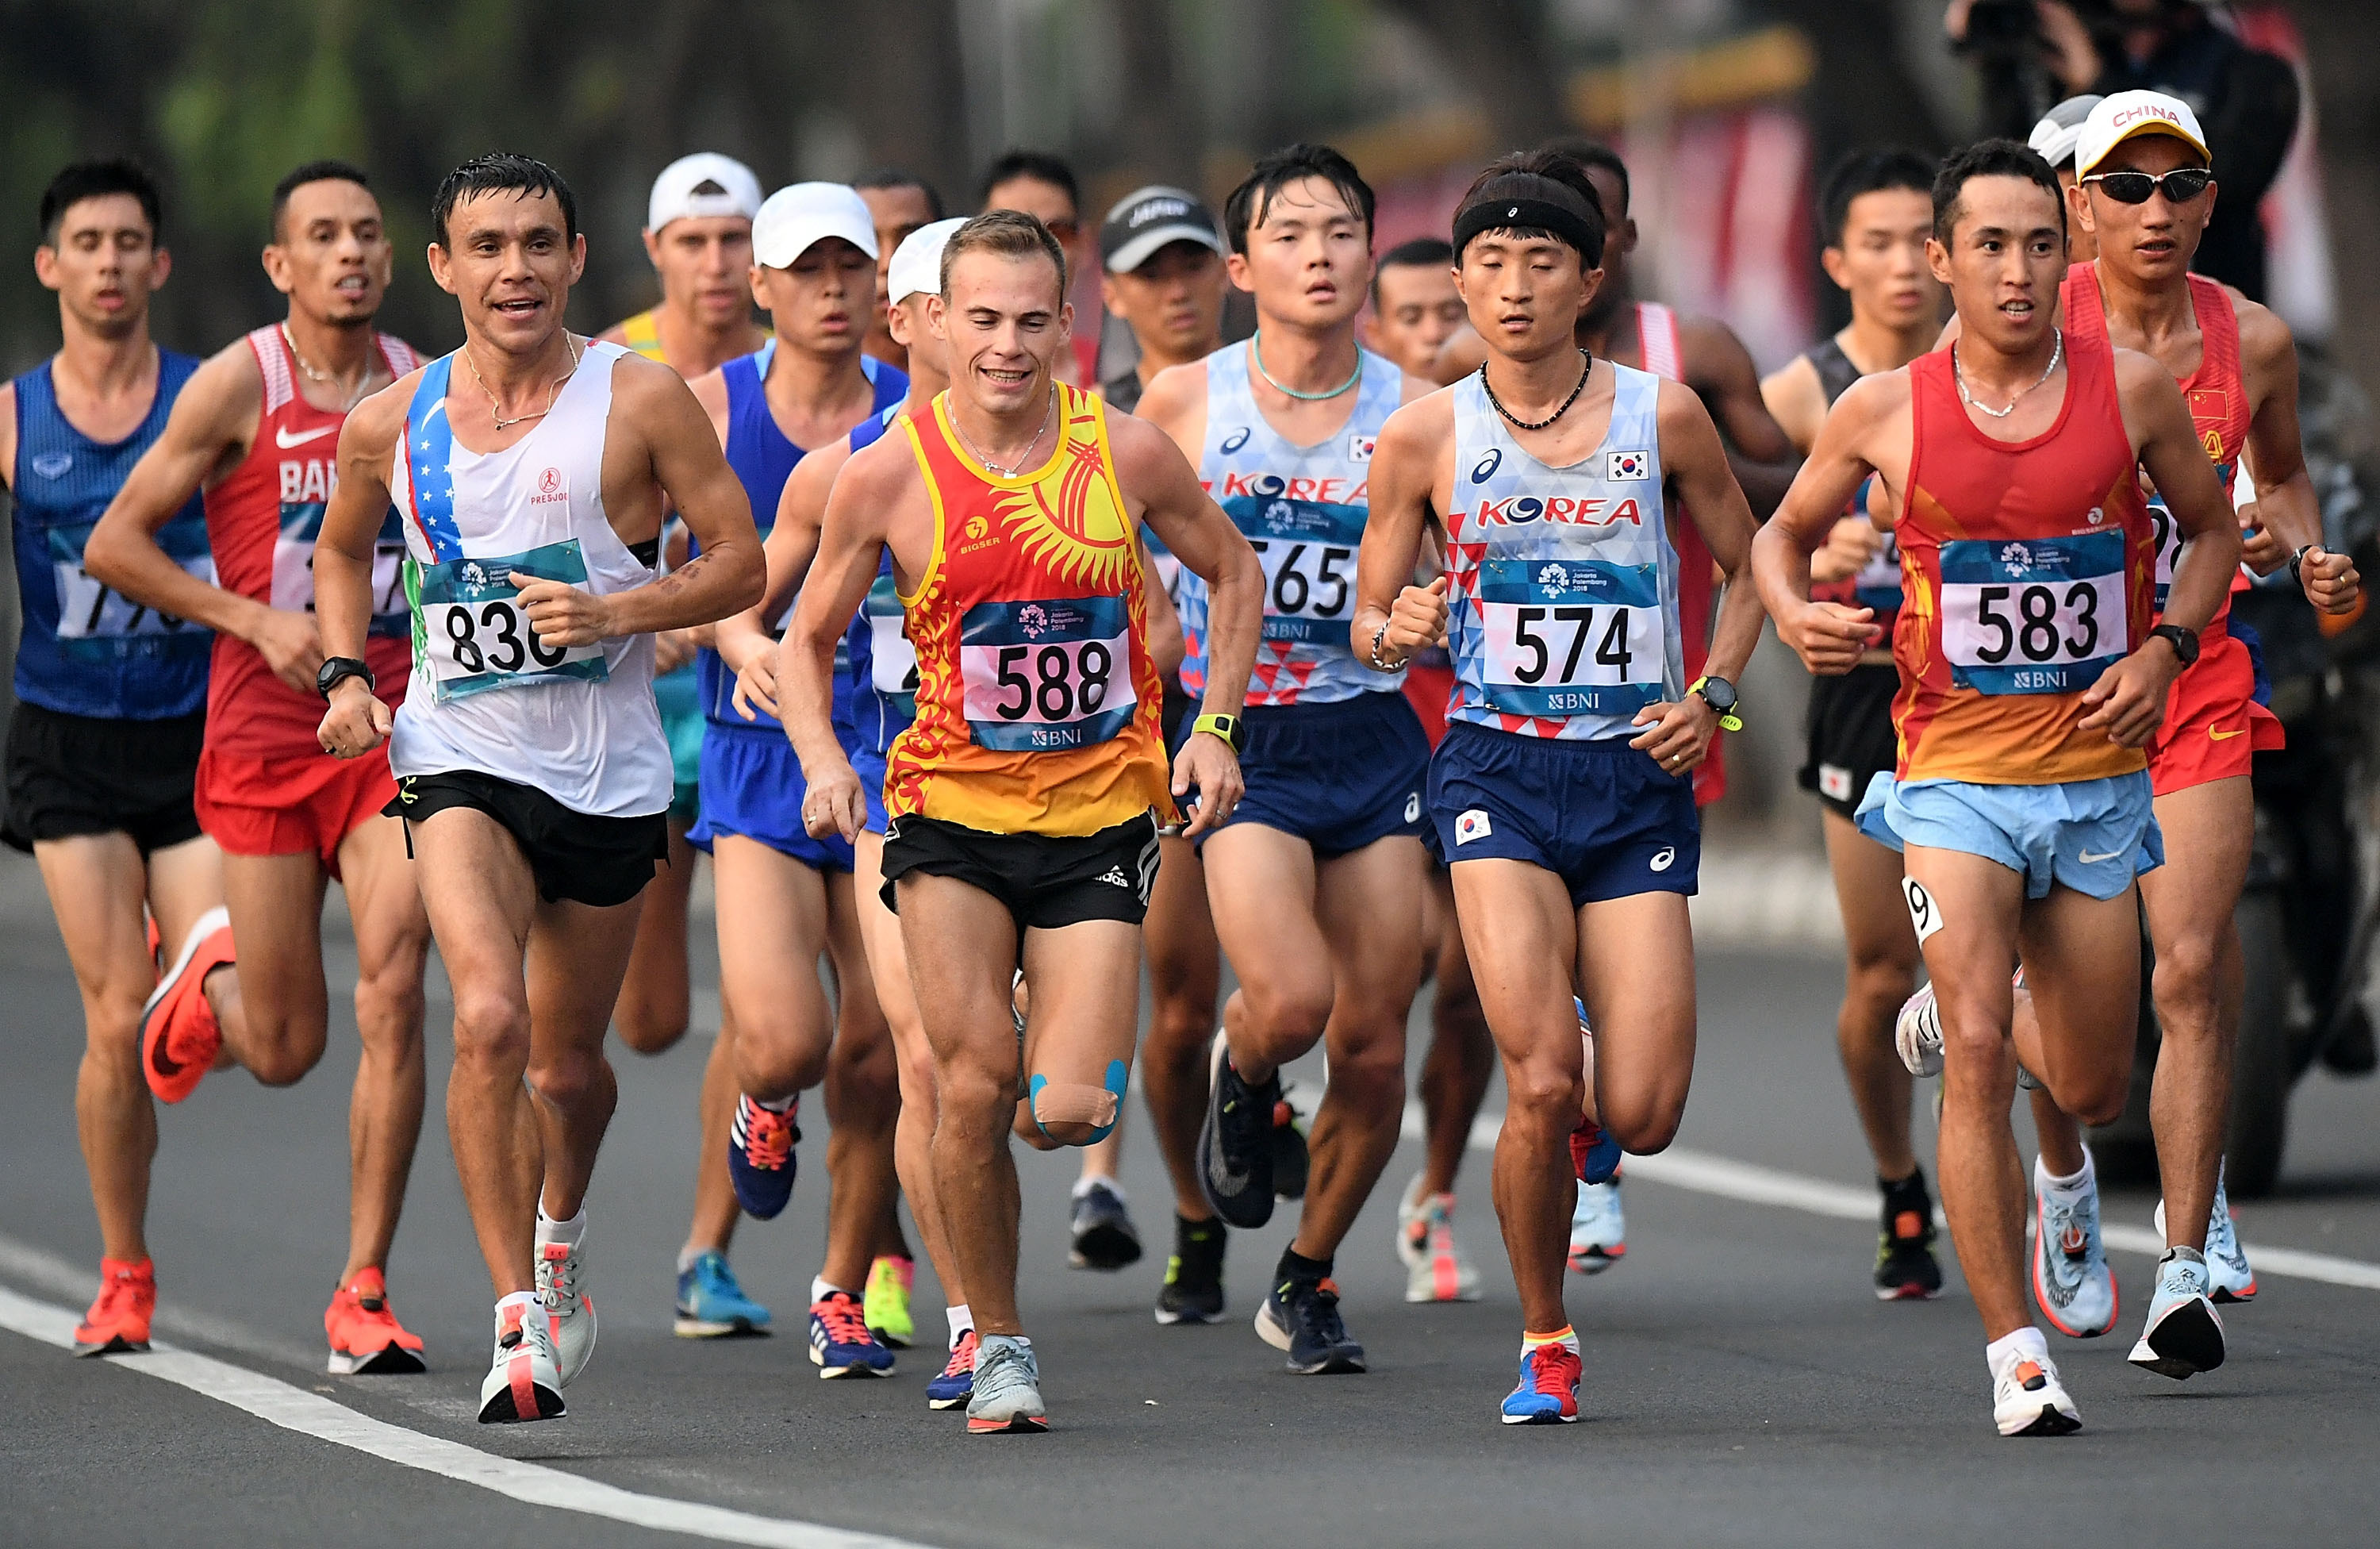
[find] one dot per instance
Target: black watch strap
(2184, 642)
(335, 670)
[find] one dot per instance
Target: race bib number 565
(475, 635)
(1043, 676)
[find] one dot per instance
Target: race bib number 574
(475, 635)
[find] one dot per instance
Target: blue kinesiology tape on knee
(1073, 1102)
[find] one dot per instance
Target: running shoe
(1235, 1143)
(2227, 1261)
(366, 1338)
(562, 1287)
(1598, 1227)
(1105, 1237)
(179, 1035)
(1436, 1268)
(956, 1384)
(1549, 1391)
(1007, 1394)
(1905, 1267)
(525, 1382)
(1290, 1161)
(885, 1300)
(1193, 1292)
(842, 1344)
(711, 1305)
(1917, 1032)
(2184, 1334)
(119, 1319)
(1302, 1317)
(2029, 1400)
(760, 1156)
(2070, 1276)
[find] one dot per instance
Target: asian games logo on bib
(550, 488)
(1032, 620)
(1554, 577)
(1068, 520)
(2016, 555)
(1628, 465)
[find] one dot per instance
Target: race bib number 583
(2039, 616)
(475, 635)
(1043, 676)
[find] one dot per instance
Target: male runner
(1162, 258)
(2030, 677)
(2147, 188)
(111, 697)
(1043, 185)
(2055, 137)
(1025, 800)
(532, 772)
(1316, 880)
(783, 896)
(254, 431)
(1563, 795)
(698, 238)
(899, 203)
(1877, 210)
(1415, 307)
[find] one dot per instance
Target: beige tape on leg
(1071, 1104)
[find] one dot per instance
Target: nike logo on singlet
(283, 439)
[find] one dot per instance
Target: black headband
(1526, 214)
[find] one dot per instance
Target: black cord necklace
(1585, 372)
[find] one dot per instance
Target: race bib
(1044, 676)
(89, 611)
(1307, 549)
(1570, 637)
(892, 660)
(292, 568)
(475, 634)
(2041, 616)
(1879, 582)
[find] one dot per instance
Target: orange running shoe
(180, 1036)
(118, 1321)
(366, 1338)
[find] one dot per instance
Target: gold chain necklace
(1024, 457)
(497, 410)
(355, 395)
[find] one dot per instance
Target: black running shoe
(1193, 1292)
(1288, 1158)
(1905, 1270)
(1104, 1236)
(1302, 1317)
(1235, 1143)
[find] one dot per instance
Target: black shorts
(1180, 710)
(1851, 737)
(572, 855)
(1047, 881)
(71, 775)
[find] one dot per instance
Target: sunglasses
(2180, 186)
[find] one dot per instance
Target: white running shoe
(2184, 1333)
(2029, 1400)
(2070, 1276)
(524, 1383)
(1917, 1032)
(1436, 1268)
(2227, 1261)
(562, 1288)
(1598, 1227)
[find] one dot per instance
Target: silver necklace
(497, 410)
(1024, 457)
(355, 395)
(1958, 376)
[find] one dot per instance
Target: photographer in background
(2031, 52)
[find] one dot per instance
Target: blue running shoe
(1549, 1390)
(1598, 1227)
(1302, 1317)
(711, 1305)
(842, 1344)
(2071, 1279)
(956, 1384)
(1008, 1396)
(760, 1157)
(2184, 1336)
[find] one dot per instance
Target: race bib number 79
(475, 634)
(1046, 675)
(2041, 616)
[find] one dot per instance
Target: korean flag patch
(1473, 824)
(1627, 465)
(1359, 447)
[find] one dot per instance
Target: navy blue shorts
(1600, 815)
(868, 765)
(752, 787)
(1338, 775)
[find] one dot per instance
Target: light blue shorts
(2091, 836)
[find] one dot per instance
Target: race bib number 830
(475, 634)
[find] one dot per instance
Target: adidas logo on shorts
(1115, 874)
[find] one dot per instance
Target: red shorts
(307, 803)
(1427, 690)
(2212, 722)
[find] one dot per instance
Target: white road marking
(293, 1409)
(1705, 1174)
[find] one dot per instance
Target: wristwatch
(1719, 694)
(2184, 642)
(1228, 727)
(336, 668)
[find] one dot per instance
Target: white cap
(800, 215)
(917, 262)
(2126, 114)
(703, 184)
(2055, 136)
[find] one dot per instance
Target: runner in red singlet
(258, 429)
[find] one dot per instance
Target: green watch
(1719, 694)
(1231, 729)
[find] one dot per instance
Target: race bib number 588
(475, 635)
(1044, 676)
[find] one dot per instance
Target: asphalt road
(1741, 1384)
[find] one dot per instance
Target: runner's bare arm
(1796, 401)
(357, 721)
(709, 390)
(1463, 352)
(9, 434)
(1413, 444)
(2286, 514)
(1721, 370)
(852, 536)
(1167, 644)
(745, 641)
(1828, 636)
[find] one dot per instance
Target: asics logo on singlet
(54, 465)
(1485, 468)
(1236, 440)
(1519, 510)
(283, 439)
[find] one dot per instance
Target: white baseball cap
(799, 215)
(917, 262)
(703, 184)
(2128, 114)
(2060, 127)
